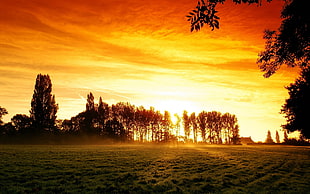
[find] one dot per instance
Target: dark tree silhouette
(125, 113)
(235, 139)
(297, 106)
(186, 124)
(269, 138)
(90, 105)
(205, 13)
(119, 122)
(277, 137)
(193, 124)
(285, 136)
(103, 116)
(43, 106)
(289, 45)
(3, 111)
(177, 125)
(202, 123)
(22, 123)
(89, 118)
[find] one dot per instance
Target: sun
(175, 106)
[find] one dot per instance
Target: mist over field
(145, 168)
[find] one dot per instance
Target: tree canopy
(288, 45)
(297, 106)
(120, 122)
(43, 106)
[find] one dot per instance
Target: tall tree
(269, 138)
(103, 115)
(43, 106)
(166, 125)
(89, 124)
(193, 123)
(235, 135)
(277, 137)
(233, 129)
(202, 123)
(297, 106)
(177, 125)
(90, 105)
(186, 125)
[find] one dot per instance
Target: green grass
(154, 169)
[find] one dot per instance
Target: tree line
(120, 122)
(288, 45)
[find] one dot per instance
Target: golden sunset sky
(142, 52)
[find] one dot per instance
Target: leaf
(216, 24)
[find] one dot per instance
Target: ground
(154, 169)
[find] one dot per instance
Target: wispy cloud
(142, 52)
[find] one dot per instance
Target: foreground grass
(157, 169)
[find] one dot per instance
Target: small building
(246, 140)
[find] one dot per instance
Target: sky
(142, 52)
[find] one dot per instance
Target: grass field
(154, 169)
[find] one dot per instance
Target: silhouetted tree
(186, 124)
(155, 121)
(202, 123)
(193, 124)
(277, 137)
(22, 123)
(285, 136)
(227, 128)
(125, 113)
(89, 118)
(269, 138)
(177, 125)
(8, 130)
(141, 123)
(235, 139)
(67, 126)
(297, 106)
(43, 106)
(90, 105)
(213, 126)
(233, 129)
(205, 13)
(103, 116)
(115, 129)
(290, 45)
(166, 125)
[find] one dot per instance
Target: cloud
(138, 51)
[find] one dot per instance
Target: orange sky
(141, 52)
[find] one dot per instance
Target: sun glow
(176, 106)
(142, 53)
